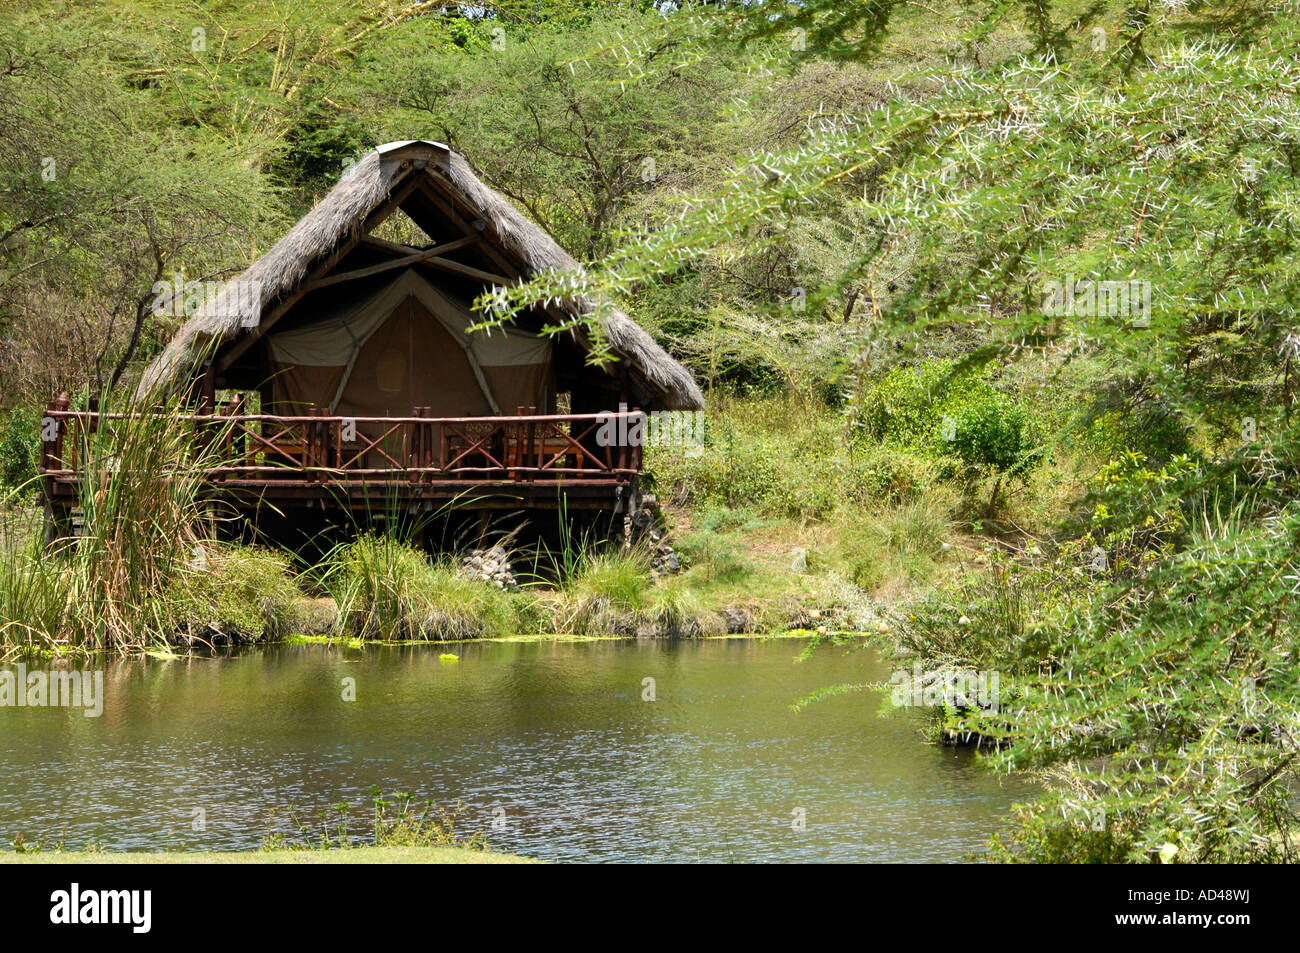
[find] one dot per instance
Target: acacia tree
(103, 201)
(570, 138)
(1162, 154)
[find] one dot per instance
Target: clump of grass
(35, 595)
(606, 591)
(898, 546)
(393, 820)
(386, 588)
(233, 594)
(612, 592)
(141, 481)
(617, 578)
(675, 608)
(140, 476)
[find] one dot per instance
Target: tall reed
(143, 516)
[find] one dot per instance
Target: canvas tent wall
(408, 345)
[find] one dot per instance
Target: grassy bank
(147, 574)
(792, 515)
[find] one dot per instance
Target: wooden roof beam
(423, 255)
(373, 221)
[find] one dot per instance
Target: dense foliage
(1008, 279)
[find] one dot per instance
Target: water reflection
(554, 734)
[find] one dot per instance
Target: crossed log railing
(323, 448)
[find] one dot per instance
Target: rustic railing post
(637, 447)
(51, 438)
(216, 435)
(621, 429)
(48, 429)
(427, 462)
(412, 460)
(523, 443)
(407, 432)
(315, 444)
(238, 442)
(326, 441)
(536, 442)
(62, 403)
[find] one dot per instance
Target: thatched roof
(337, 219)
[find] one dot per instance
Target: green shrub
(234, 593)
(957, 418)
(19, 447)
(889, 475)
(388, 589)
(903, 407)
(990, 431)
(1160, 435)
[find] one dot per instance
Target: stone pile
(489, 565)
(665, 561)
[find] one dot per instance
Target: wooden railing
(321, 448)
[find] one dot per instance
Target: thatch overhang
(426, 180)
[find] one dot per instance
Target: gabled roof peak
(412, 149)
(337, 223)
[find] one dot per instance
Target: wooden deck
(526, 460)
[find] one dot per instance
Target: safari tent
(354, 366)
(334, 316)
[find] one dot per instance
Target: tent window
(391, 369)
(409, 345)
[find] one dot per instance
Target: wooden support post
(61, 403)
(516, 453)
(428, 441)
(49, 447)
(237, 440)
(216, 432)
(329, 448)
(412, 460)
(623, 426)
(536, 441)
(336, 444)
(636, 448)
(208, 391)
(317, 444)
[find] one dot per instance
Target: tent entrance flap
(407, 346)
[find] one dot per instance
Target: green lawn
(356, 855)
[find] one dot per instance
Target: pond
(551, 746)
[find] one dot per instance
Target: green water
(549, 745)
